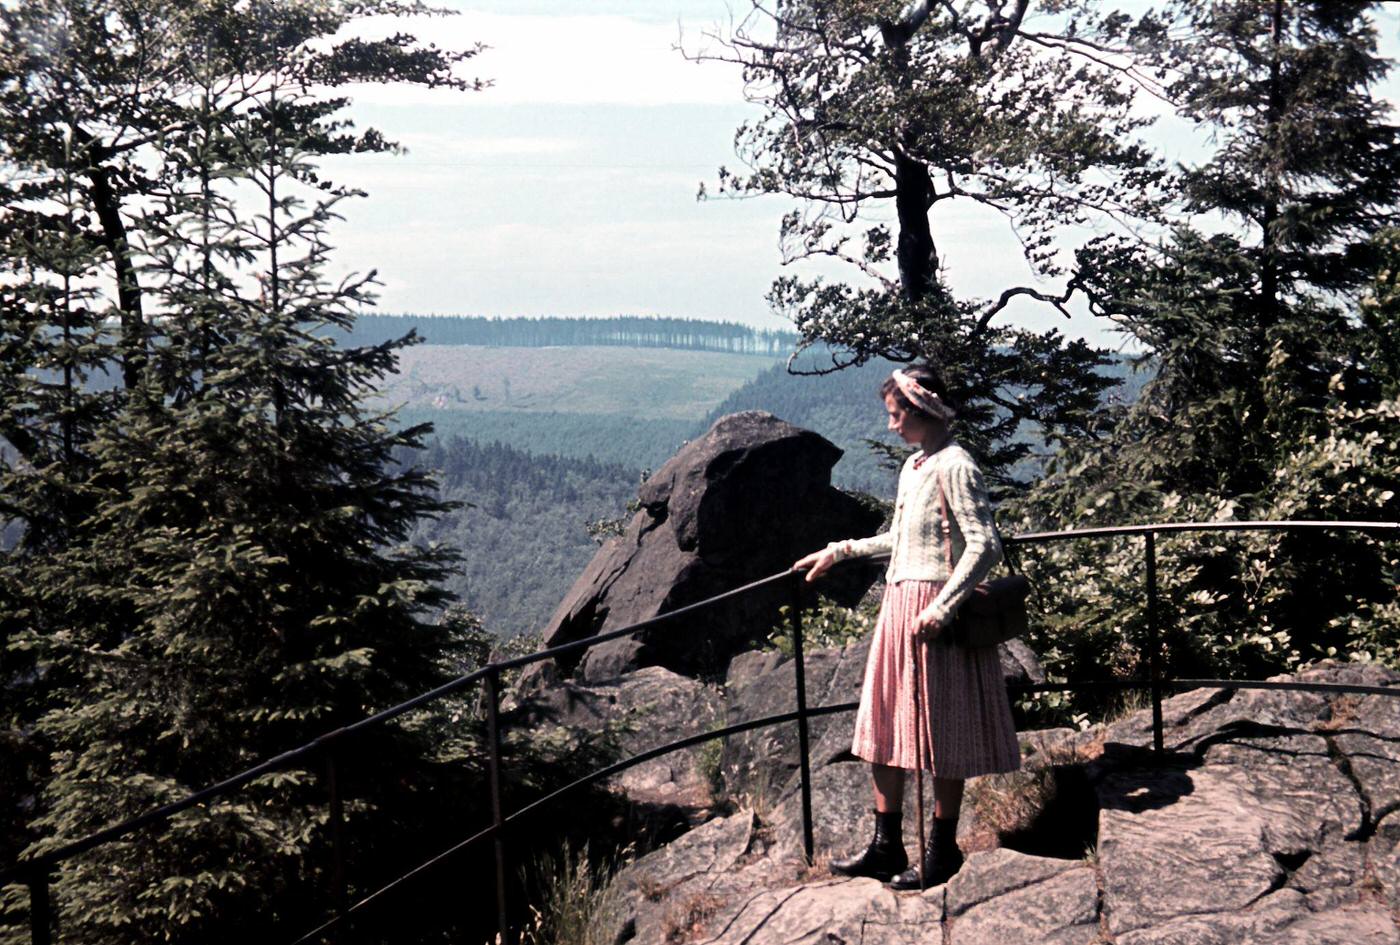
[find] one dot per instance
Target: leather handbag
(995, 611)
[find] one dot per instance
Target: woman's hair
(929, 379)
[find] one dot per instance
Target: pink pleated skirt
(966, 729)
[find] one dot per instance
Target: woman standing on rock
(965, 728)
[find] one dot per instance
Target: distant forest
(607, 438)
(625, 331)
(523, 528)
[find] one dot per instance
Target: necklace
(927, 454)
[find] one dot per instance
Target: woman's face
(909, 427)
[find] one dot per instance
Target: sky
(568, 187)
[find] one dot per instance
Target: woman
(965, 728)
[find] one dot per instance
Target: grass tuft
(575, 901)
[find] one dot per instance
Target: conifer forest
(217, 542)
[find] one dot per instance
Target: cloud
(560, 60)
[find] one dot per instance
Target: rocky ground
(1272, 818)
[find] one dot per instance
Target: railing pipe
(493, 735)
(651, 623)
(601, 774)
(835, 709)
(1111, 531)
(818, 712)
(339, 892)
(41, 917)
(1284, 686)
(41, 865)
(228, 785)
(1154, 644)
(117, 831)
(804, 756)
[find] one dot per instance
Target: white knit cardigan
(915, 541)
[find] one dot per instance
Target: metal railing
(37, 872)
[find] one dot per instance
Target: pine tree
(901, 109)
(55, 349)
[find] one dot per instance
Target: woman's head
(917, 402)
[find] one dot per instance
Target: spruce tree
(212, 563)
(1268, 363)
(55, 351)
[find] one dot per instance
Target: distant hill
(543, 439)
(845, 408)
(646, 383)
(624, 331)
(627, 441)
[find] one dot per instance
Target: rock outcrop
(637, 712)
(740, 503)
(1273, 817)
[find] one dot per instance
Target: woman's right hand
(815, 564)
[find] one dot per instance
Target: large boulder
(740, 503)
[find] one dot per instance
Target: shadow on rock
(1067, 822)
(1134, 779)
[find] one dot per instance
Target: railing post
(40, 908)
(493, 732)
(803, 750)
(1154, 645)
(341, 896)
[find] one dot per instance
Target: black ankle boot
(942, 858)
(884, 857)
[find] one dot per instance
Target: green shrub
(826, 624)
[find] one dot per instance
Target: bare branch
(957, 18)
(836, 252)
(1059, 301)
(817, 372)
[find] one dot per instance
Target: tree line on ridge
(627, 331)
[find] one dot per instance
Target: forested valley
(533, 481)
(526, 515)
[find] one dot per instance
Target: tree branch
(1096, 53)
(1059, 301)
(818, 372)
(835, 252)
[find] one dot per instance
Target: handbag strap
(1006, 555)
(947, 525)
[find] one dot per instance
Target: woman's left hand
(927, 627)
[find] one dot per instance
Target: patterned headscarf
(923, 398)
